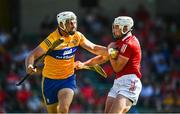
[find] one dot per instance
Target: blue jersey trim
(66, 53)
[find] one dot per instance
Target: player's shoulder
(135, 40)
(79, 33)
(54, 32)
(131, 40)
(52, 36)
(134, 43)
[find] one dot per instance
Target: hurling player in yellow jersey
(58, 83)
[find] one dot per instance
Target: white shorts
(127, 85)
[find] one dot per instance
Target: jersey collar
(59, 32)
(127, 36)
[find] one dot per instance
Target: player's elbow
(104, 59)
(117, 69)
(28, 56)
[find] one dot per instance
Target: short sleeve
(82, 37)
(125, 50)
(47, 43)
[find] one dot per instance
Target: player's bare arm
(96, 60)
(34, 54)
(91, 62)
(96, 49)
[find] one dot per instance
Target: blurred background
(25, 23)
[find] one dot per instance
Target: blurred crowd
(160, 41)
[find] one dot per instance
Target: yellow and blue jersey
(59, 64)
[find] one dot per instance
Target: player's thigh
(108, 105)
(65, 96)
(121, 104)
(52, 108)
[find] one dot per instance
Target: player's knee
(105, 111)
(63, 108)
(121, 109)
(126, 109)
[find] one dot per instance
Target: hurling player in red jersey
(125, 58)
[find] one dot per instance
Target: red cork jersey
(129, 47)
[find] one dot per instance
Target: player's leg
(48, 95)
(121, 105)
(127, 89)
(53, 89)
(108, 105)
(52, 108)
(110, 99)
(65, 97)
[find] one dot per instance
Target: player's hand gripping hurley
(40, 59)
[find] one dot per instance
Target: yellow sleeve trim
(45, 45)
(48, 43)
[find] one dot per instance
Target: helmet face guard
(63, 17)
(123, 21)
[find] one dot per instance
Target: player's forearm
(96, 60)
(34, 55)
(115, 65)
(95, 49)
(29, 60)
(100, 50)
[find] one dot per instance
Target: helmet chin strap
(124, 33)
(64, 30)
(122, 36)
(71, 33)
